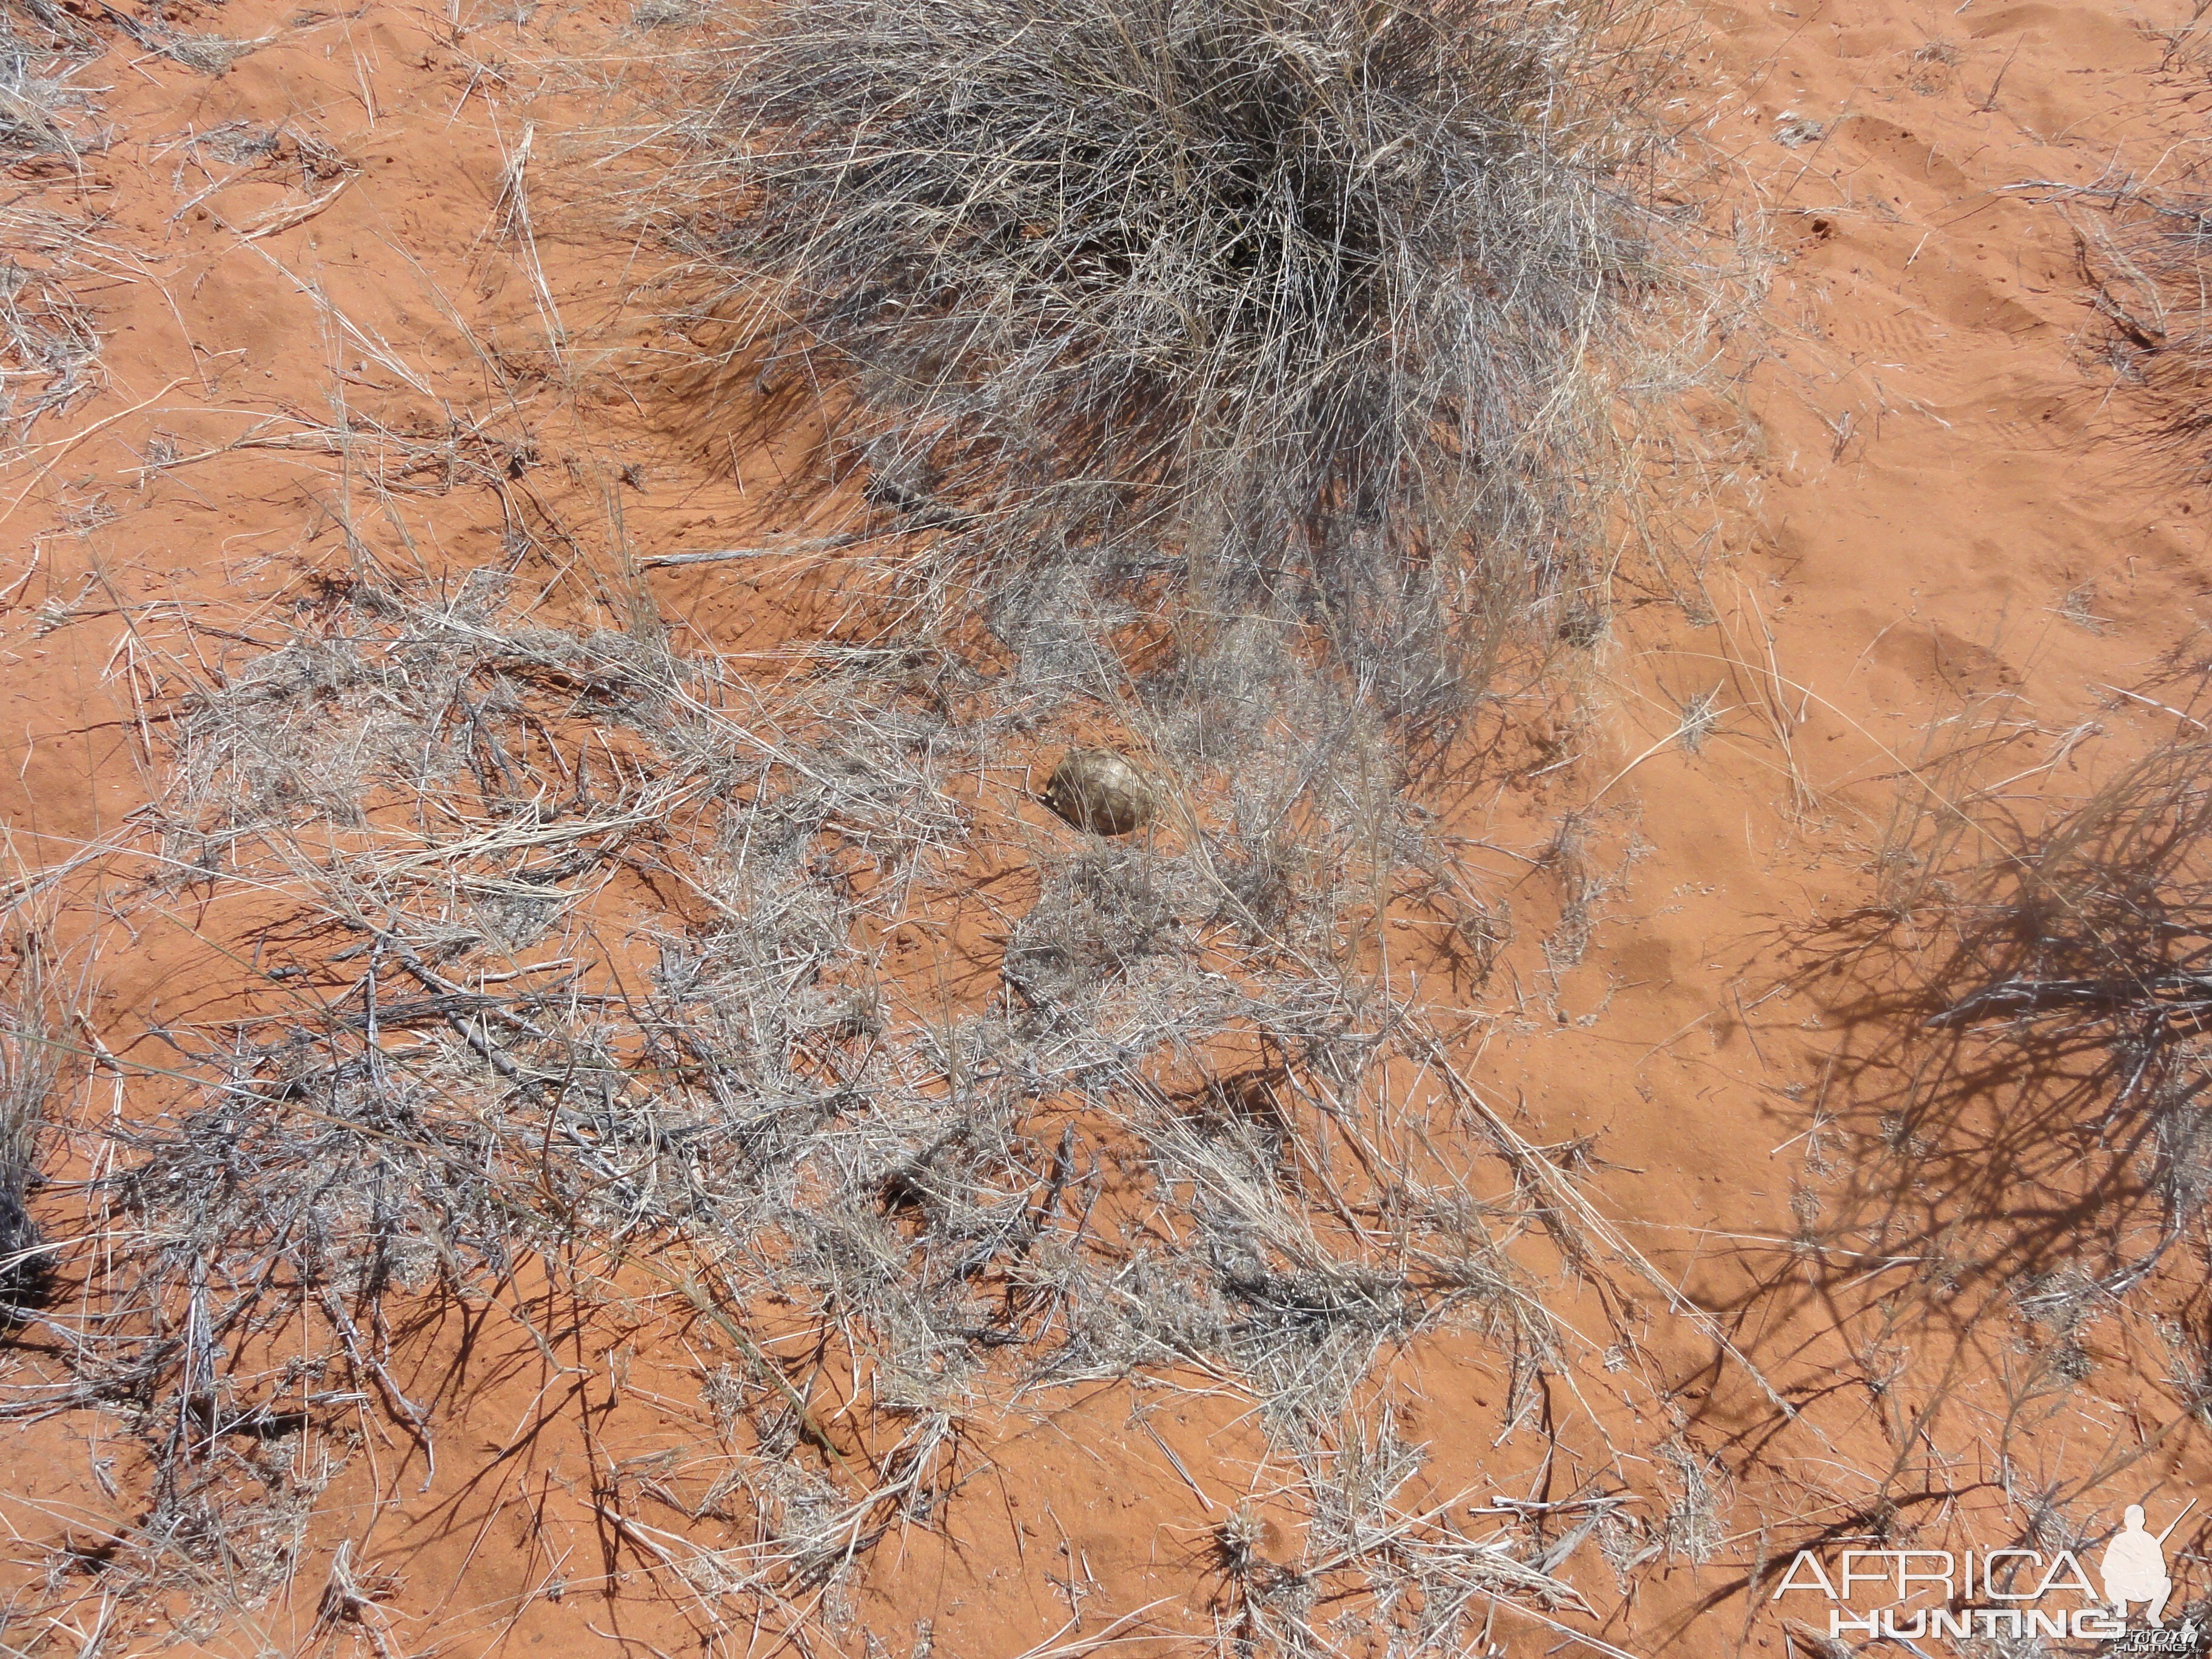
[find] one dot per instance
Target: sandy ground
(420, 319)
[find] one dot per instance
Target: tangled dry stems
(2144, 256)
(32, 1062)
(1240, 367)
(2019, 1089)
(2093, 942)
(586, 946)
(1300, 310)
(49, 350)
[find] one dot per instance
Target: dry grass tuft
(2144, 255)
(49, 351)
(32, 1067)
(1297, 309)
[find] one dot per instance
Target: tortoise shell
(1097, 790)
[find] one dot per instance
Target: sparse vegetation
(1225, 384)
(587, 951)
(2144, 256)
(2023, 1051)
(49, 353)
(622, 1078)
(2086, 949)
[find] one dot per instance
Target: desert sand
(380, 291)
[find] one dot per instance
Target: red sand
(1936, 497)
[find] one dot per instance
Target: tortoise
(1097, 790)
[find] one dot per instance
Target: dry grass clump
(1297, 308)
(40, 44)
(49, 351)
(49, 347)
(2144, 256)
(1429, 1574)
(32, 1067)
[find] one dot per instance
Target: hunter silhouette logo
(2135, 1567)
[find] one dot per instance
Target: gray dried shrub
(1293, 305)
(49, 347)
(2147, 254)
(30, 1074)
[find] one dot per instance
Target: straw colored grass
(1308, 310)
